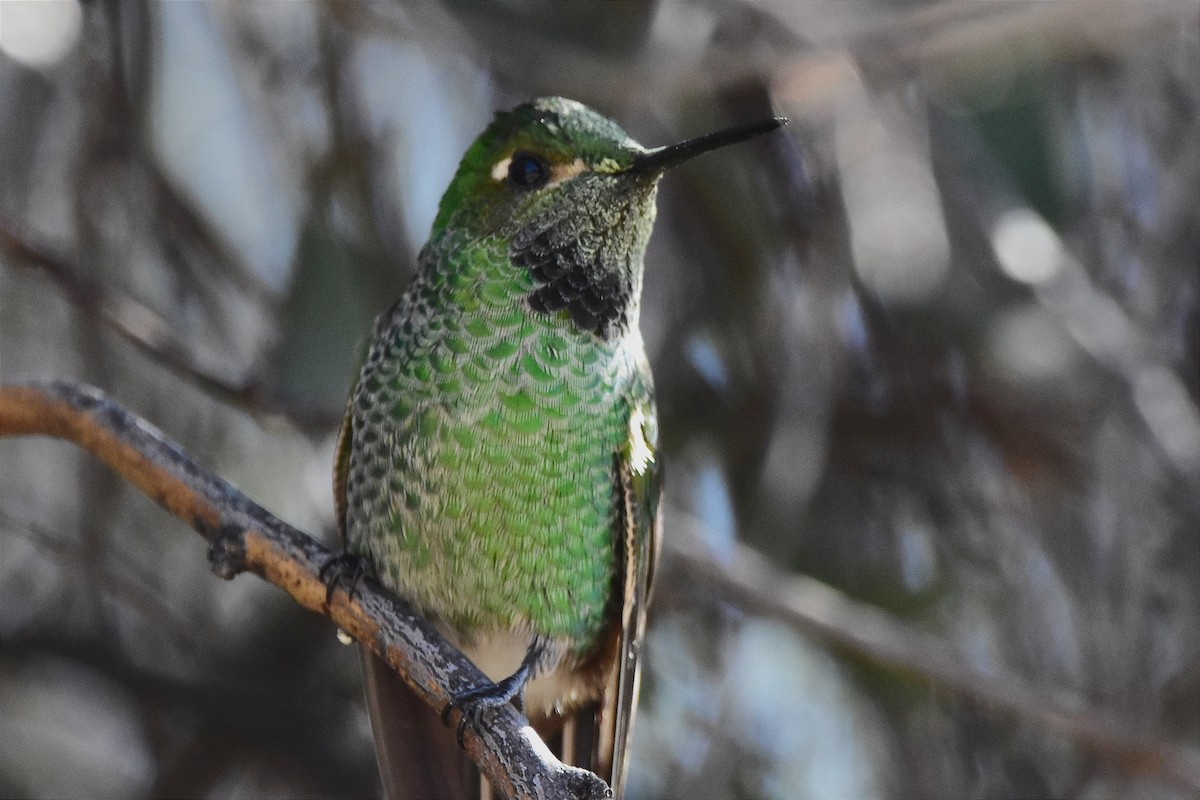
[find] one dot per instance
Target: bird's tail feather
(419, 757)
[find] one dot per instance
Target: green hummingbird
(498, 462)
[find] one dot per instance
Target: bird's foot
(344, 571)
(473, 703)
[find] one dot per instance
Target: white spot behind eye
(500, 171)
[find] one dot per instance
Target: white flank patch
(640, 454)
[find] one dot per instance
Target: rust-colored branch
(244, 537)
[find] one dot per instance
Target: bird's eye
(527, 171)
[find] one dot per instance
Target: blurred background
(936, 346)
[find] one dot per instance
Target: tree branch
(244, 537)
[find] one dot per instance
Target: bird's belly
(500, 518)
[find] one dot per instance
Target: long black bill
(663, 158)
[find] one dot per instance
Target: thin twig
(244, 537)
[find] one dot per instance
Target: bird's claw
(344, 570)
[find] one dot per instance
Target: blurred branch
(957, 46)
(255, 714)
(957, 34)
(143, 327)
(135, 588)
(244, 537)
(749, 580)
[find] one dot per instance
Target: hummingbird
(498, 463)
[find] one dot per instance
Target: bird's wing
(639, 477)
(418, 755)
(341, 468)
(345, 439)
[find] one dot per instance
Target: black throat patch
(575, 278)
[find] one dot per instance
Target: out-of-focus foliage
(938, 345)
